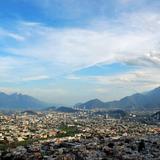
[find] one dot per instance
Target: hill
(29, 112)
(53, 108)
(117, 113)
(94, 103)
(66, 109)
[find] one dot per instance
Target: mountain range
(19, 102)
(139, 101)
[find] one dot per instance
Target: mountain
(148, 100)
(53, 108)
(133, 102)
(139, 101)
(66, 109)
(60, 109)
(94, 103)
(117, 113)
(19, 102)
(29, 112)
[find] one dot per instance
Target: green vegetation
(66, 131)
(3, 147)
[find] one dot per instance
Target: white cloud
(132, 39)
(139, 78)
(148, 60)
(72, 77)
(8, 34)
(70, 49)
(35, 78)
(17, 69)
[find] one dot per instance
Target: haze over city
(71, 51)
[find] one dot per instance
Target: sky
(70, 51)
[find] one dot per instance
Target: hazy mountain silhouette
(148, 100)
(19, 101)
(65, 109)
(94, 103)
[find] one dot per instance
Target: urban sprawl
(82, 135)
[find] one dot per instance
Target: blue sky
(68, 51)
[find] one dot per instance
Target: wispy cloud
(34, 51)
(76, 48)
(8, 34)
(148, 60)
(35, 78)
(137, 78)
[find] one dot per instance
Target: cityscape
(79, 80)
(81, 135)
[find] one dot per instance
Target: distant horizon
(72, 51)
(73, 103)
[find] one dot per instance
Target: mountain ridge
(147, 100)
(19, 101)
(138, 101)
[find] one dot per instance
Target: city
(79, 79)
(81, 135)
